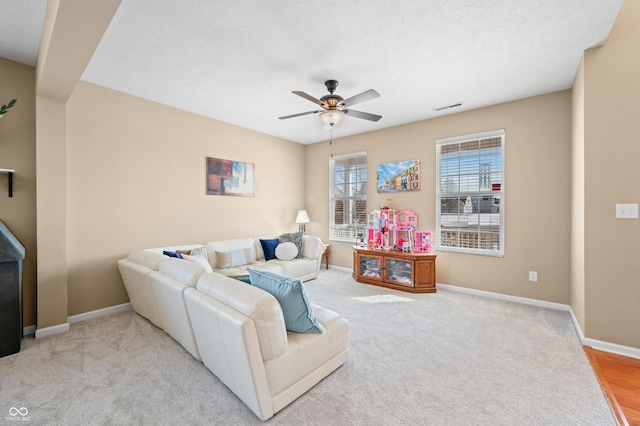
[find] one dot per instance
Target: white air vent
(442, 108)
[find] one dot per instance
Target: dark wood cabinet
(407, 271)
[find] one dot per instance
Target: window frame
(479, 193)
(347, 232)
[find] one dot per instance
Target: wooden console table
(407, 271)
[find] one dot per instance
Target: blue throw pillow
(171, 254)
(292, 296)
(269, 248)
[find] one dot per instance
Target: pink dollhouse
(392, 229)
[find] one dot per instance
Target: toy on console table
(378, 227)
(389, 229)
(423, 242)
(405, 225)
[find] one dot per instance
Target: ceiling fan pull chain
(331, 142)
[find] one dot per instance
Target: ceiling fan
(334, 107)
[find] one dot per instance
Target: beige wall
(18, 151)
(612, 175)
(136, 179)
(577, 196)
(537, 183)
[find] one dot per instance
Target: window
(348, 196)
(470, 194)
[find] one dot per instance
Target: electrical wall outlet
(533, 276)
(626, 211)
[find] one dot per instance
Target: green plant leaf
(4, 108)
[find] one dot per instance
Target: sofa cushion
(200, 260)
(307, 352)
(295, 238)
(199, 251)
(181, 270)
(228, 245)
(233, 258)
(292, 296)
(297, 267)
(286, 251)
(274, 266)
(269, 247)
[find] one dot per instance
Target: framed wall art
(398, 176)
(227, 177)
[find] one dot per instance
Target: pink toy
(389, 228)
(405, 225)
(423, 242)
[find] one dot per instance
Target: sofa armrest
(147, 258)
(312, 247)
(135, 277)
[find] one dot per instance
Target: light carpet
(430, 359)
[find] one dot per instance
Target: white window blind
(348, 196)
(470, 194)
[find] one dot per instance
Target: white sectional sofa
(305, 267)
(237, 329)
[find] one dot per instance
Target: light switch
(626, 211)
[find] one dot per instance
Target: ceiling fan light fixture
(332, 117)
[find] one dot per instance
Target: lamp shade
(302, 217)
(332, 116)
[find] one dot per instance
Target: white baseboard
(595, 344)
(50, 331)
(61, 328)
(99, 313)
(517, 299)
(576, 325)
(612, 348)
(340, 268)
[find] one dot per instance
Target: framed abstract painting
(227, 177)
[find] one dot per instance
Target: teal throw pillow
(292, 296)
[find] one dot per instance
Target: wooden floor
(619, 377)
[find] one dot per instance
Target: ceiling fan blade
(298, 115)
(308, 96)
(363, 115)
(367, 95)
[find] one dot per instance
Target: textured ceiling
(20, 29)
(238, 60)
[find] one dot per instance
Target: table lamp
(301, 219)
